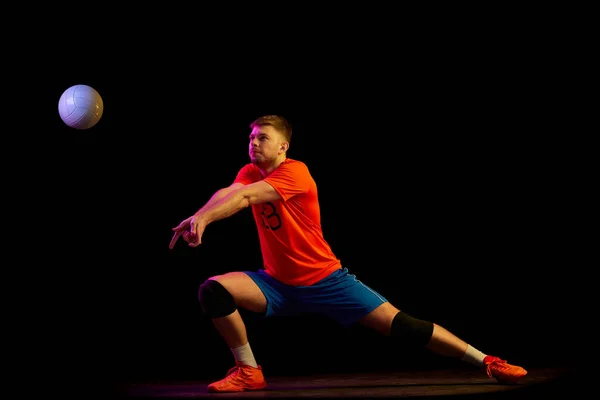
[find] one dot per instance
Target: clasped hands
(191, 229)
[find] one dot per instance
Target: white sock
(244, 355)
(473, 356)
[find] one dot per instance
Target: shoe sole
(246, 389)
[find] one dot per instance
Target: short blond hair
(278, 122)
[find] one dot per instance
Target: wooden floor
(462, 383)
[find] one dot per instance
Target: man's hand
(191, 229)
(197, 226)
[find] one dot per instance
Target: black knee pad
(411, 330)
(216, 301)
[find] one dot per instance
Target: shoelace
(496, 361)
(232, 370)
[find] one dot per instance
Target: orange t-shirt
(293, 248)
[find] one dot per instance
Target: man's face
(265, 144)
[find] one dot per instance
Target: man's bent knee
(245, 291)
(411, 330)
(216, 301)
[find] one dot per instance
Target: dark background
(442, 173)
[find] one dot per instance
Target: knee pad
(216, 301)
(411, 330)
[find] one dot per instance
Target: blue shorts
(339, 296)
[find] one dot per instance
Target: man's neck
(268, 169)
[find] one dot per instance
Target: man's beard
(258, 159)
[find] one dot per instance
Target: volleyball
(80, 107)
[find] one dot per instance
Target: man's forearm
(219, 194)
(223, 207)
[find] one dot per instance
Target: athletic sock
(244, 355)
(473, 356)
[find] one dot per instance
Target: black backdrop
(441, 185)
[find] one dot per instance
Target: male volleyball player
(301, 272)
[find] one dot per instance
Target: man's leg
(431, 335)
(243, 293)
(220, 297)
(388, 320)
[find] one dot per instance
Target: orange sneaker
(240, 378)
(502, 371)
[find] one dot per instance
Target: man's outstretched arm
(219, 194)
(183, 229)
(220, 207)
(236, 200)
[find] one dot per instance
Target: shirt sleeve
(290, 179)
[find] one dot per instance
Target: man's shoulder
(296, 164)
(249, 167)
(248, 173)
(296, 169)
